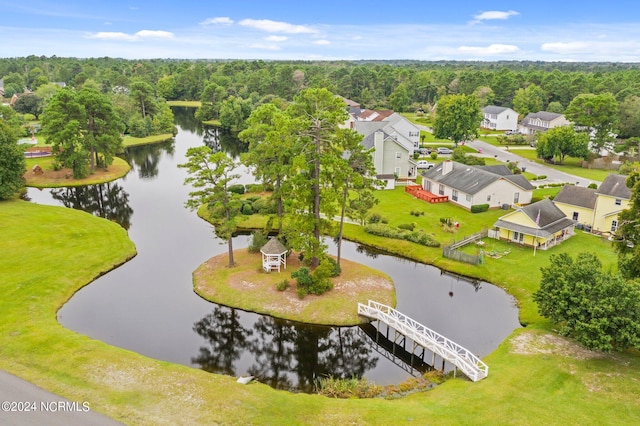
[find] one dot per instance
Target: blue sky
(541, 30)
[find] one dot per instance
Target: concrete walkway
(25, 404)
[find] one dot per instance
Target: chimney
(447, 166)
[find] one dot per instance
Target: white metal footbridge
(421, 335)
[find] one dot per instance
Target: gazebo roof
(274, 247)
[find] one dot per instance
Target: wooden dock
(461, 358)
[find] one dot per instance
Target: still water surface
(148, 305)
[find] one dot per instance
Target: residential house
(541, 225)
(499, 118)
(471, 185)
(596, 209)
(541, 121)
(392, 157)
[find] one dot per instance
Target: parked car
(443, 150)
(512, 132)
(424, 164)
(424, 151)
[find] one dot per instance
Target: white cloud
(570, 47)
(492, 15)
(322, 42)
(143, 34)
(220, 20)
(276, 26)
(494, 49)
(276, 38)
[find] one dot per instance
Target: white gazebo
(274, 254)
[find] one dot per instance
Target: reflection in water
(185, 118)
(108, 200)
(145, 158)
(286, 355)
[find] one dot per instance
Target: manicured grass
(131, 141)
(571, 165)
(58, 178)
(248, 287)
(51, 252)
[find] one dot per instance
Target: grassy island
(246, 286)
(51, 178)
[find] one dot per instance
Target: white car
(424, 164)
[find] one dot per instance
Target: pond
(148, 305)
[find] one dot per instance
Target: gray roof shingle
(577, 196)
(550, 219)
(470, 179)
(615, 186)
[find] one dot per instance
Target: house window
(441, 189)
(575, 215)
(618, 201)
(488, 198)
(614, 225)
(518, 237)
(398, 155)
(454, 195)
(516, 198)
(468, 197)
(396, 171)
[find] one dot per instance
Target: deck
(418, 192)
(421, 335)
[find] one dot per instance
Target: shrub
(374, 218)
(417, 213)
(446, 221)
(258, 240)
(335, 268)
(479, 208)
(264, 205)
(282, 285)
(433, 155)
(407, 226)
(247, 209)
(236, 189)
(592, 186)
(419, 237)
(540, 177)
(253, 198)
(254, 187)
(347, 388)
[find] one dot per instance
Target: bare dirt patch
(532, 343)
(246, 286)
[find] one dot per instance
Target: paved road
(553, 175)
(25, 404)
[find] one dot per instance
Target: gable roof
(470, 179)
(369, 141)
(615, 186)
(548, 216)
(492, 109)
(577, 196)
(499, 169)
(542, 115)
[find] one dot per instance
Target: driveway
(25, 404)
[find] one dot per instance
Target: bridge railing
(471, 365)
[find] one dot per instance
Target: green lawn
(535, 377)
(571, 165)
(132, 141)
(192, 104)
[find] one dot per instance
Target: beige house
(391, 155)
(471, 185)
(542, 121)
(541, 225)
(596, 210)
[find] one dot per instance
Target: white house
(541, 121)
(499, 118)
(471, 185)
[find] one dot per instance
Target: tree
(399, 98)
(12, 164)
(143, 95)
(629, 113)
(233, 113)
(458, 118)
(597, 112)
(627, 236)
(597, 308)
(29, 104)
(357, 174)
(83, 128)
(530, 99)
(563, 141)
(316, 114)
(210, 174)
(271, 139)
